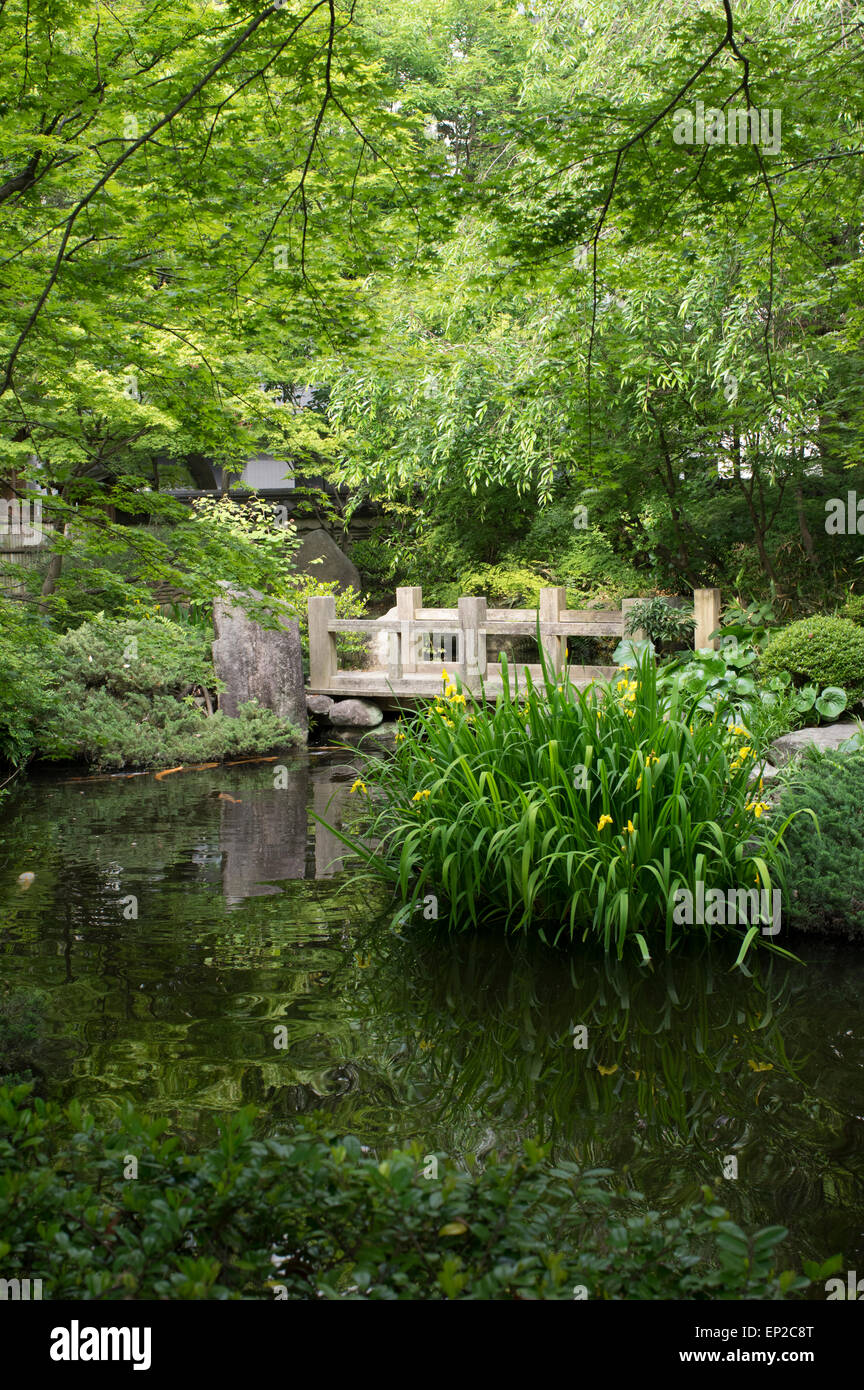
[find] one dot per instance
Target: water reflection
(242, 924)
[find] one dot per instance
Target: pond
(180, 927)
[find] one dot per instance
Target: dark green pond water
(174, 925)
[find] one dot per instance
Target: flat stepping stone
(827, 738)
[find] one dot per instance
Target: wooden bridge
(414, 663)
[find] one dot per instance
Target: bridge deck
(376, 685)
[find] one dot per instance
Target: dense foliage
(26, 700)
(730, 682)
(311, 1214)
(573, 813)
(514, 286)
(133, 693)
(147, 654)
(661, 339)
(165, 260)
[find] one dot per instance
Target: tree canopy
(535, 255)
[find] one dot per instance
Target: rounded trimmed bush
(820, 651)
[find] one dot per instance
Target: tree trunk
(806, 538)
(49, 584)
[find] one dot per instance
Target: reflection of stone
(369, 739)
(258, 663)
(264, 837)
(328, 801)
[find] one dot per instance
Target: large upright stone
(258, 663)
(320, 556)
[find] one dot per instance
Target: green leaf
(832, 702)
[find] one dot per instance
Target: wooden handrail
(473, 621)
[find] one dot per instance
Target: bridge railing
(471, 622)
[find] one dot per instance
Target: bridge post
(323, 662)
(552, 601)
(706, 611)
(639, 634)
(403, 649)
(472, 622)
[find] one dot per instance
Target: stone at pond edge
(355, 714)
(258, 663)
(319, 704)
(790, 746)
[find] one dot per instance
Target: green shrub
(504, 586)
(119, 693)
(27, 701)
(550, 532)
(590, 565)
(349, 604)
(313, 1215)
(377, 558)
(825, 883)
(143, 730)
(571, 812)
(728, 687)
(660, 620)
(148, 654)
(582, 559)
(819, 651)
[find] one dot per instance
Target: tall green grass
(484, 806)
